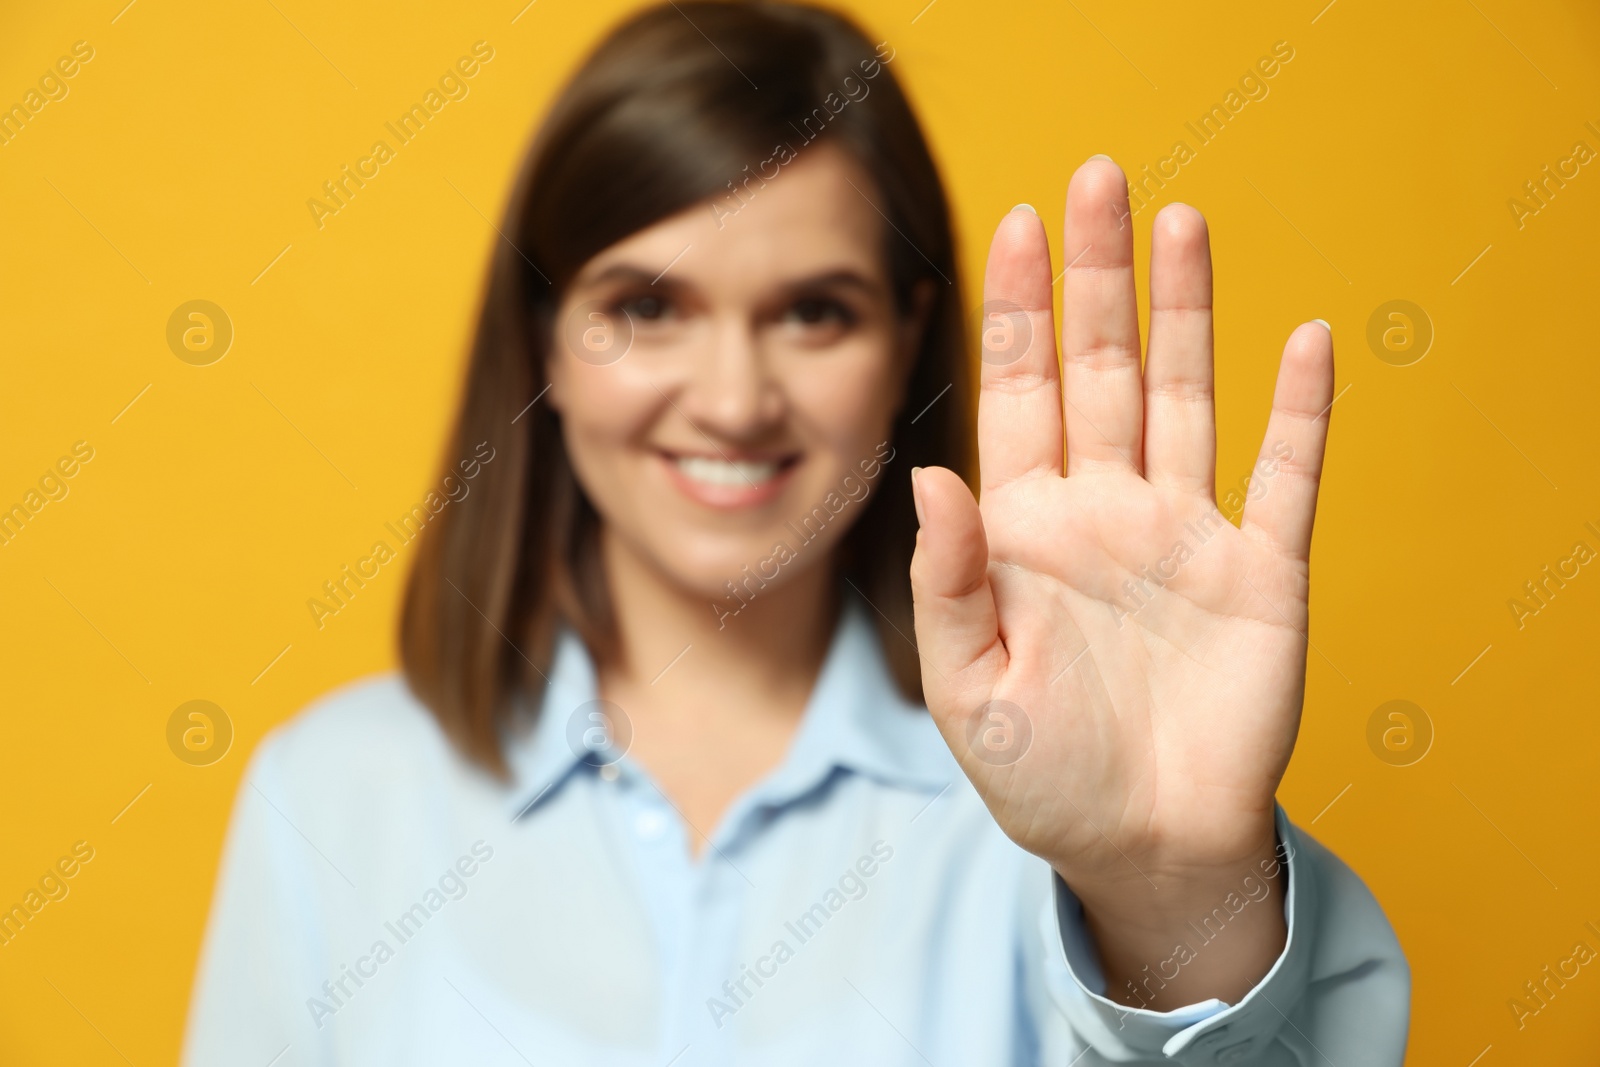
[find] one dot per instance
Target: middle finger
(1102, 391)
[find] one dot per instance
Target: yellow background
(178, 567)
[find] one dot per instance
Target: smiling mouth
(722, 473)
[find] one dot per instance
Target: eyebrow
(843, 276)
(624, 272)
(634, 274)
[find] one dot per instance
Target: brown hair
(677, 106)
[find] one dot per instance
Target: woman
(694, 761)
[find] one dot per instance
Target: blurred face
(718, 383)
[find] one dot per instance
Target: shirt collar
(855, 720)
(541, 757)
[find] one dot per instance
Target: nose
(732, 392)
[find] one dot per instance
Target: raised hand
(1118, 668)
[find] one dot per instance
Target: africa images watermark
(1542, 189)
(1253, 889)
(53, 886)
(1551, 579)
(854, 89)
(1143, 186)
(852, 490)
(341, 589)
(452, 885)
(852, 885)
(52, 486)
(343, 187)
(1139, 588)
(1551, 980)
(52, 87)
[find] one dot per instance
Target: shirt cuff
(1207, 1032)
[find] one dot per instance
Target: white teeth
(721, 472)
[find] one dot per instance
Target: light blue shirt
(382, 901)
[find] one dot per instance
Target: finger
(1290, 464)
(1180, 424)
(958, 631)
(1104, 407)
(1019, 402)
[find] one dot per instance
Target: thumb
(958, 632)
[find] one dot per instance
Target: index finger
(1019, 399)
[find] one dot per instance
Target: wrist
(1179, 935)
(1157, 890)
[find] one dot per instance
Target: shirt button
(650, 824)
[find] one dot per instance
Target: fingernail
(1103, 156)
(916, 495)
(1325, 324)
(1024, 207)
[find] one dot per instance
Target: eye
(820, 311)
(645, 307)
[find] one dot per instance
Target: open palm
(1118, 668)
